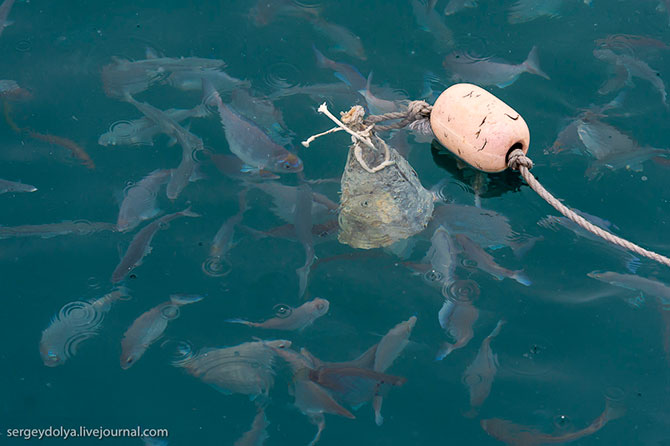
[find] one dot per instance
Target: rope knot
(517, 159)
(417, 110)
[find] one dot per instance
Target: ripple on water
(282, 311)
(282, 75)
(464, 291)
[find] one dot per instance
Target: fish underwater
(292, 319)
(518, 435)
(456, 318)
(490, 71)
(13, 186)
(479, 375)
(523, 11)
(485, 262)
(217, 264)
(49, 230)
(246, 140)
(75, 323)
(258, 433)
(455, 6)
(139, 202)
(343, 39)
(343, 71)
(429, 20)
(147, 328)
(5, 9)
(633, 282)
(140, 246)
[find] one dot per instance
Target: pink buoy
(478, 127)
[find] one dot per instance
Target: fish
(247, 369)
(190, 80)
(143, 131)
(442, 257)
(258, 433)
(140, 246)
(455, 6)
(49, 230)
(432, 22)
(285, 199)
(10, 90)
(262, 112)
(486, 263)
(378, 106)
(77, 151)
(387, 351)
(223, 242)
(456, 319)
(13, 186)
(344, 40)
(602, 140)
(75, 323)
(246, 140)
(189, 142)
(523, 11)
(348, 382)
(292, 319)
(147, 328)
(519, 435)
(630, 43)
(664, 6)
(5, 8)
(266, 11)
(320, 232)
(303, 228)
(122, 77)
(337, 92)
(626, 68)
(233, 167)
(634, 282)
(490, 71)
(479, 375)
(626, 160)
(343, 71)
(139, 202)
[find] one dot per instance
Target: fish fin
(316, 362)
(239, 321)
(632, 263)
(506, 84)
(8, 23)
(521, 277)
(185, 299)
(521, 249)
(496, 331)
(189, 213)
(246, 168)
(197, 174)
(320, 422)
(171, 142)
(444, 351)
(532, 64)
(617, 82)
(613, 409)
(151, 53)
(377, 401)
(342, 77)
(321, 60)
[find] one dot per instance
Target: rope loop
(517, 158)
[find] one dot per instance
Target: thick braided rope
(519, 161)
(416, 111)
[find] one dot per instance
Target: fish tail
(521, 277)
(210, 96)
(185, 299)
(239, 321)
(189, 213)
(444, 351)
(496, 331)
(532, 64)
(613, 409)
(321, 60)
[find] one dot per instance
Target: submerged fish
(246, 368)
(217, 264)
(456, 319)
(378, 106)
(431, 21)
(13, 186)
(455, 6)
(490, 71)
(486, 263)
(150, 326)
(141, 244)
(303, 229)
(519, 435)
(139, 203)
(75, 322)
(258, 433)
(343, 71)
(143, 131)
(76, 150)
(233, 167)
(263, 113)
(78, 227)
(10, 90)
(633, 282)
(626, 68)
(188, 80)
(293, 319)
(5, 8)
(527, 10)
(250, 143)
(344, 40)
(479, 375)
(442, 256)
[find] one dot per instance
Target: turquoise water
(569, 342)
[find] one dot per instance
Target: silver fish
(258, 433)
(630, 161)
(456, 319)
(141, 244)
(122, 77)
(479, 375)
(5, 8)
(192, 80)
(455, 6)
(249, 142)
(263, 113)
(490, 71)
(626, 68)
(143, 131)
(11, 90)
(217, 264)
(343, 71)
(486, 263)
(139, 202)
(75, 322)
(303, 228)
(388, 349)
(343, 39)
(633, 282)
(188, 141)
(377, 105)
(337, 92)
(150, 326)
(431, 21)
(292, 319)
(285, 200)
(78, 227)
(523, 11)
(246, 368)
(13, 186)
(442, 256)
(233, 167)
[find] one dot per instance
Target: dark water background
(580, 351)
